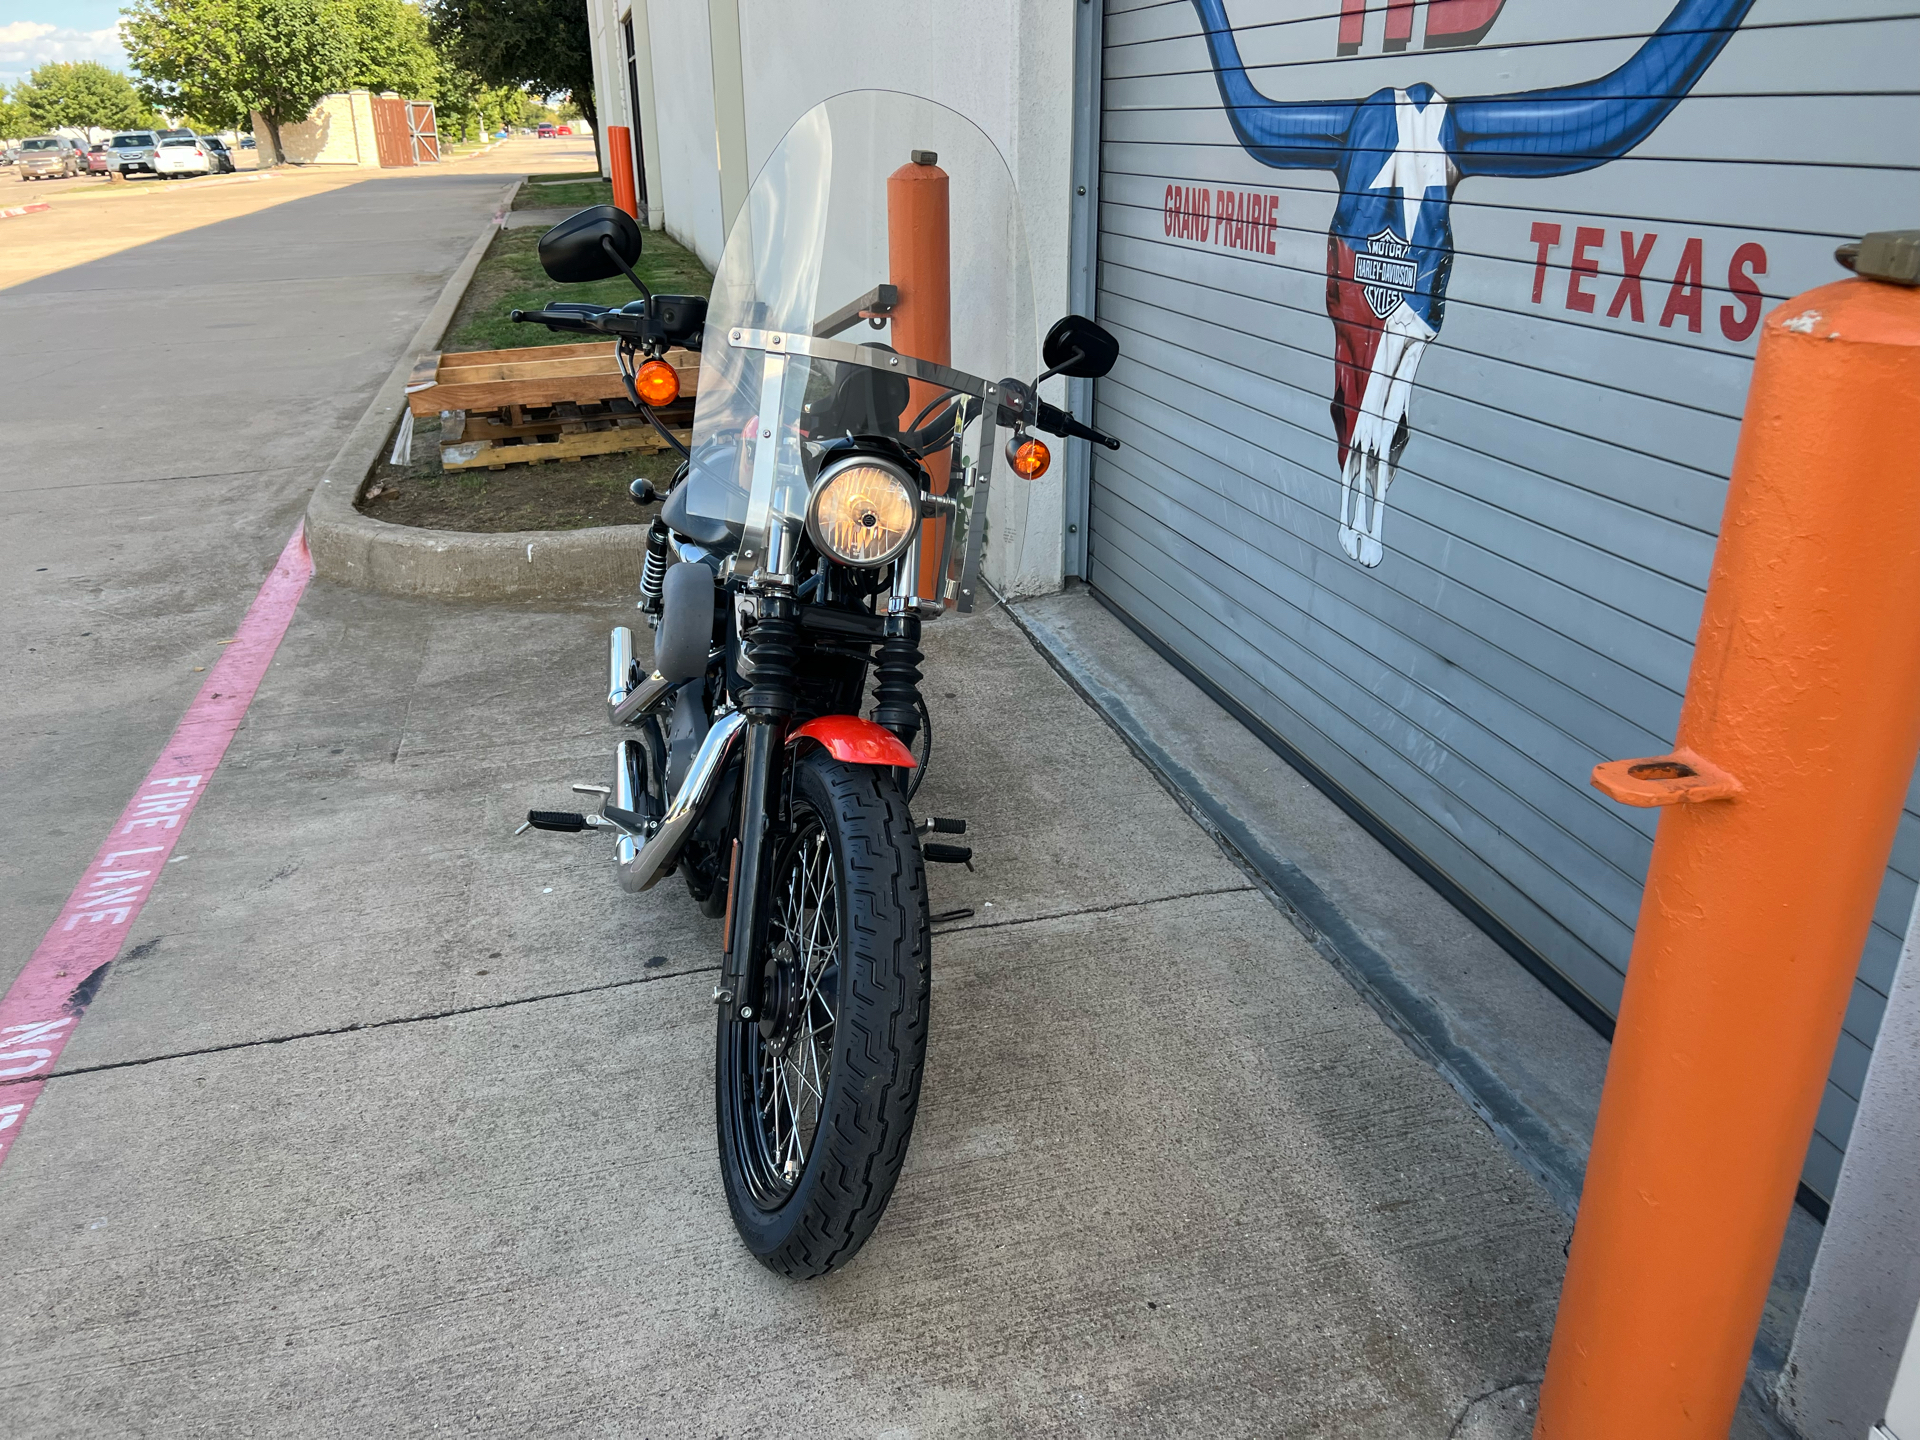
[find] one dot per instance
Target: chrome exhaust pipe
(643, 863)
(630, 695)
(619, 665)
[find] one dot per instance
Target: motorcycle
(833, 497)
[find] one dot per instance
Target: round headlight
(863, 512)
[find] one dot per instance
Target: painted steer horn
(1558, 131)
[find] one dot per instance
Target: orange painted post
(920, 267)
(620, 161)
(1797, 740)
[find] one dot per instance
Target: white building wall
(609, 74)
(1865, 1285)
(683, 90)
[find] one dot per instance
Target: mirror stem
(614, 255)
(1047, 374)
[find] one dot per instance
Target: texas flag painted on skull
(1398, 155)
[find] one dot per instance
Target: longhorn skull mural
(1398, 156)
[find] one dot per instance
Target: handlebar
(658, 321)
(582, 319)
(1056, 421)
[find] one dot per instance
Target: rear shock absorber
(896, 665)
(653, 572)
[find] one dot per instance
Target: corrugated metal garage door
(1597, 260)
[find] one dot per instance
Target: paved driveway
(164, 412)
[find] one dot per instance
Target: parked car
(133, 152)
(218, 155)
(51, 157)
(545, 132)
(247, 142)
(564, 130)
(99, 160)
(181, 155)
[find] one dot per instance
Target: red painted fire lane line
(45, 1003)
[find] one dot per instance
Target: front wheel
(816, 1093)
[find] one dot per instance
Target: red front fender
(857, 741)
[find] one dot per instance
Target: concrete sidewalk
(390, 1122)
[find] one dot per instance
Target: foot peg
(934, 825)
(948, 854)
(564, 821)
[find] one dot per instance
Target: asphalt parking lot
(244, 162)
(387, 1121)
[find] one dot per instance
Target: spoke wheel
(789, 1053)
(816, 1092)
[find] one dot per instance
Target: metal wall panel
(1529, 603)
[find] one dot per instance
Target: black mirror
(572, 252)
(1079, 348)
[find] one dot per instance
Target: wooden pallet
(540, 402)
(470, 454)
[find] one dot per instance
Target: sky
(33, 32)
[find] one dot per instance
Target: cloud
(27, 43)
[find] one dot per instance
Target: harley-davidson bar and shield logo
(1385, 272)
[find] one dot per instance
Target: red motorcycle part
(857, 741)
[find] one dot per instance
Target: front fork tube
(752, 881)
(771, 646)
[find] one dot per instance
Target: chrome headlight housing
(864, 511)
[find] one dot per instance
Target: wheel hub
(782, 998)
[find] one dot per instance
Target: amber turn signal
(658, 383)
(1028, 457)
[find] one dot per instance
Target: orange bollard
(920, 267)
(1797, 740)
(620, 162)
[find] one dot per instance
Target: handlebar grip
(1056, 421)
(552, 322)
(580, 321)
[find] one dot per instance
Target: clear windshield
(869, 190)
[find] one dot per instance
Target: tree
(470, 110)
(14, 124)
(393, 51)
(541, 44)
(457, 100)
(223, 59)
(533, 111)
(79, 95)
(499, 107)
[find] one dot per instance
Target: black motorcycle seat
(700, 529)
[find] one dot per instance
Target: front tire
(816, 1096)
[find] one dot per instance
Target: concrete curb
(350, 548)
